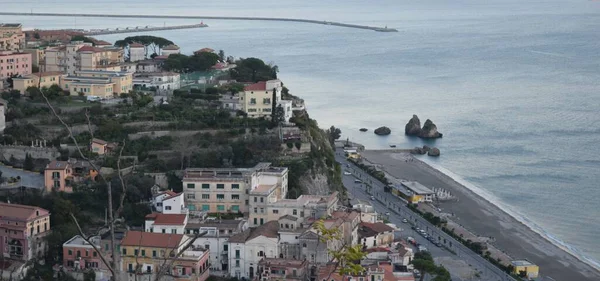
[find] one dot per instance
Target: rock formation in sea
(363, 129)
(413, 127)
(429, 130)
(434, 152)
(383, 131)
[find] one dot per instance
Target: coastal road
(386, 202)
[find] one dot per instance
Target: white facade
(216, 240)
(2, 117)
(148, 66)
(160, 80)
(169, 50)
(169, 203)
(137, 53)
(244, 257)
(173, 228)
(287, 110)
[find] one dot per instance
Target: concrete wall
(19, 152)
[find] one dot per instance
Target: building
(98, 83)
(416, 192)
(12, 37)
(223, 190)
(145, 253)
(166, 223)
(14, 64)
(61, 175)
(375, 234)
(525, 268)
(38, 80)
(288, 113)
(158, 80)
(366, 210)
(23, 231)
(169, 50)
(51, 36)
(216, 239)
(248, 248)
(151, 65)
(77, 56)
(137, 52)
(38, 57)
(79, 255)
(3, 105)
(265, 206)
(270, 269)
(230, 102)
(257, 99)
(381, 271)
(403, 255)
(169, 202)
(102, 147)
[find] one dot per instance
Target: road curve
(374, 28)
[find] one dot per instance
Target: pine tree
(28, 165)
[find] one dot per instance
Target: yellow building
(78, 56)
(40, 79)
(103, 84)
(38, 56)
(257, 99)
(525, 268)
(145, 253)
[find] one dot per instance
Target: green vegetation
(379, 175)
(152, 44)
(198, 62)
(84, 39)
(253, 70)
(424, 263)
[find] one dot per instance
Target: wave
(527, 177)
(516, 215)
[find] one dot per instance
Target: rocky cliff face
(413, 127)
(429, 130)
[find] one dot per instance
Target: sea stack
(429, 130)
(413, 127)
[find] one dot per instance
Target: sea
(514, 85)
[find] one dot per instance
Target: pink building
(79, 255)
(22, 231)
(14, 63)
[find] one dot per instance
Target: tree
(28, 164)
(221, 55)
(152, 44)
(84, 39)
(253, 70)
(425, 264)
(334, 134)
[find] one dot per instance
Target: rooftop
(79, 241)
(269, 229)
(416, 187)
(264, 189)
(521, 263)
(224, 173)
(99, 141)
(221, 224)
(260, 86)
(22, 212)
(167, 219)
(283, 262)
(57, 165)
(150, 239)
(10, 25)
(171, 47)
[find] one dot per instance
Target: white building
(287, 110)
(2, 116)
(216, 240)
(166, 223)
(246, 249)
(158, 80)
(148, 66)
(170, 50)
(137, 52)
(169, 202)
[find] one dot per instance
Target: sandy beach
(486, 219)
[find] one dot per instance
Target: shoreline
(484, 216)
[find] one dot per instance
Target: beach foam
(517, 216)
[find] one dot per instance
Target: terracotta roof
(169, 219)
(378, 249)
(136, 45)
(170, 47)
(91, 49)
(260, 86)
(150, 239)
(102, 43)
(164, 57)
(57, 165)
(99, 141)
(173, 196)
(22, 212)
(48, 73)
(269, 229)
(170, 193)
(204, 50)
(378, 227)
(347, 216)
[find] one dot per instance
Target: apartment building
(248, 248)
(104, 84)
(38, 79)
(166, 223)
(169, 202)
(79, 255)
(216, 239)
(257, 99)
(170, 50)
(375, 234)
(12, 37)
(14, 64)
(38, 57)
(137, 52)
(22, 231)
(267, 206)
(222, 190)
(61, 175)
(158, 80)
(77, 56)
(270, 269)
(143, 255)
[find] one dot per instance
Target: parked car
(387, 213)
(372, 198)
(404, 220)
(357, 181)
(347, 173)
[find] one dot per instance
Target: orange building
(61, 175)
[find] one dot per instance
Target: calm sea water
(513, 85)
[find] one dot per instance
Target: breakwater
(143, 29)
(374, 28)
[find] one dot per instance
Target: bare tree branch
(162, 269)
(88, 240)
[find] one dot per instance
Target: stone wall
(20, 151)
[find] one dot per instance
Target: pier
(374, 28)
(142, 29)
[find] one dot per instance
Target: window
(235, 186)
(235, 196)
(168, 208)
(207, 246)
(124, 251)
(252, 101)
(164, 230)
(136, 252)
(255, 221)
(106, 247)
(191, 196)
(294, 212)
(237, 263)
(275, 211)
(143, 253)
(205, 186)
(255, 198)
(173, 231)
(261, 254)
(225, 247)
(220, 196)
(95, 254)
(262, 221)
(220, 207)
(70, 252)
(267, 101)
(262, 200)
(205, 196)
(191, 186)
(246, 202)
(153, 253)
(205, 207)
(262, 210)
(235, 208)
(220, 186)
